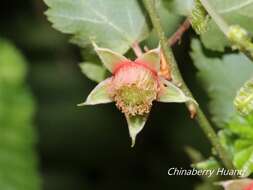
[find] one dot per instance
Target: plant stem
(177, 77)
(180, 32)
(137, 49)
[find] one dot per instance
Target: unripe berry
(134, 87)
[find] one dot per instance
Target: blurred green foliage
(18, 160)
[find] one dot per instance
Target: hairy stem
(137, 49)
(177, 77)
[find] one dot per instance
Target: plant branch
(177, 77)
(180, 32)
(137, 49)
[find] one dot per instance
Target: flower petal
(109, 58)
(152, 58)
(99, 95)
(171, 93)
(135, 125)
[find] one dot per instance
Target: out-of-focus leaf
(18, 162)
(93, 71)
(181, 7)
(221, 77)
(244, 99)
(243, 160)
(234, 12)
(112, 24)
(208, 164)
(12, 63)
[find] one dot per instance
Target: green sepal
(135, 125)
(109, 58)
(171, 93)
(152, 58)
(93, 71)
(99, 95)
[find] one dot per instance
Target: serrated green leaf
(221, 79)
(18, 161)
(112, 24)
(244, 99)
(135, 125)
(99, 95)
(93, 71)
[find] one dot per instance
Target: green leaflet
(199, 18)
(18, 161)
(244, 99)
(238, 139)
(112, 24)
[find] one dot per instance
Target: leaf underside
(115, 24)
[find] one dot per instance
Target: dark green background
(89, 147)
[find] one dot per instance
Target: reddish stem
(137, 49)
(180, 32)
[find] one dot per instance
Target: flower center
(134, 88)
